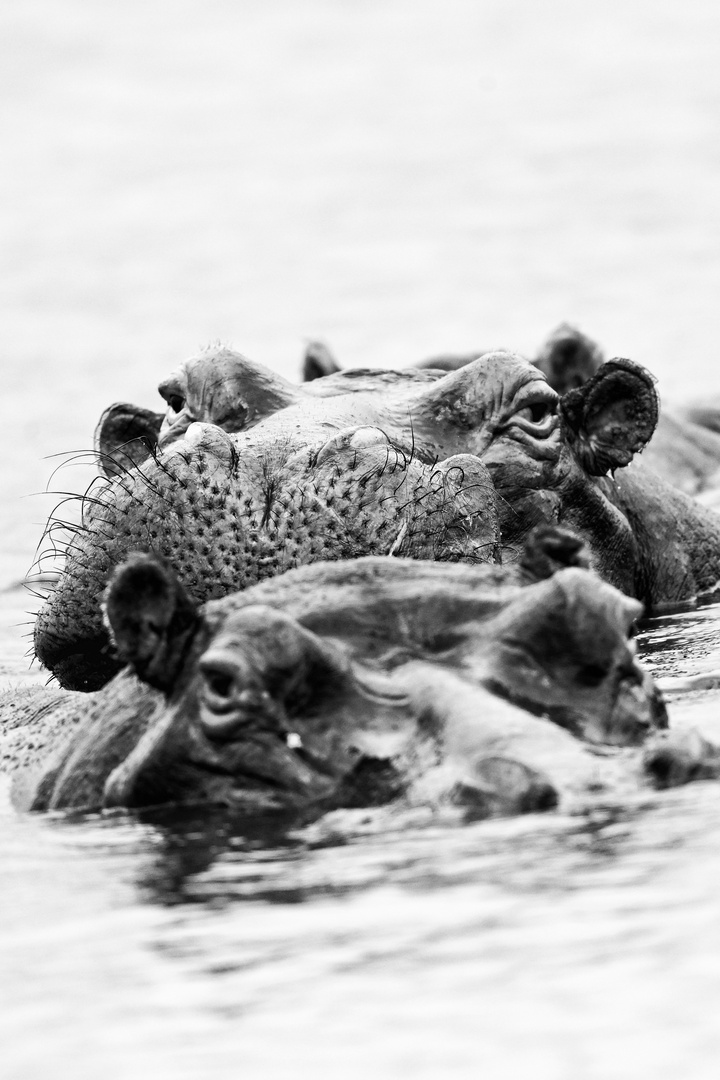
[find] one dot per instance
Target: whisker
(69, 495)
(74, 457)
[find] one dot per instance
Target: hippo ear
(125, 436)
(549, 548)
(611, 417)
(151, 619)
(318, 361)
(568, 358)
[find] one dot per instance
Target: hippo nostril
(219, 682)
(229, 705)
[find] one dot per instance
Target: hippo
(450, 466)
(367, 682)
(685, 448)
(223, 387)
(227, 511)
(568, 358)
(319, 361)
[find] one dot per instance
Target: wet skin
(460, 466)
(685, 449)
(359, 683)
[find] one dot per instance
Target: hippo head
(399, 463)
(352, 683)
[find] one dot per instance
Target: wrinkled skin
(685, 449)
(351, 472)
(357, 683)
(220, 386)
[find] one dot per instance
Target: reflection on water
(685, 643)
(215, 860)
(382, 941)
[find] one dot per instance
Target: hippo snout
(226, 511)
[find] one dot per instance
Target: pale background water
(399, 178)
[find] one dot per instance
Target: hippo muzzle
(225, 511)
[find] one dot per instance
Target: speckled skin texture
(387, 463)
(536, 477)
(33, 720)
(224, 519)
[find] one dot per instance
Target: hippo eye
(536, 416)
(539, 411)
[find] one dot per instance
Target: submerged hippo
(460, 466)
(223, 387)
(685, 449)
(568, 358)
(358, 683)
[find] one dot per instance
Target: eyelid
(540, 397)
(536, 412)
(536, 393)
